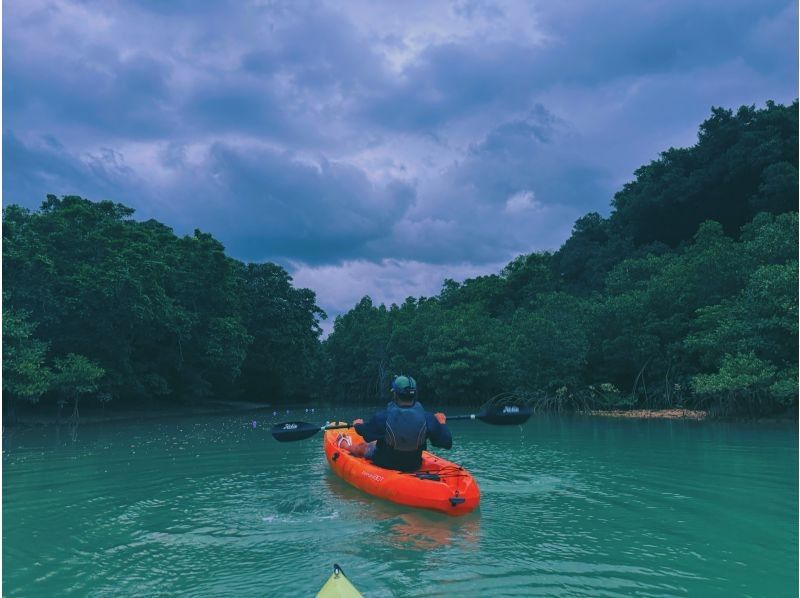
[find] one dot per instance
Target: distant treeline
(685, 295)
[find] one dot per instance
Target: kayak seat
(344, 441)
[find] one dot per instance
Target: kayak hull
(438, 485)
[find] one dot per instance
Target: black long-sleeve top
(386, 456)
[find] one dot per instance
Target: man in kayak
(396, 436)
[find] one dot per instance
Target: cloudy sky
(372, 147)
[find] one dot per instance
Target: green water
(570, 507)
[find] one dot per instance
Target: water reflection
(401, 527)
(419, 531)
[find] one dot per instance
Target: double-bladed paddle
(508, 415)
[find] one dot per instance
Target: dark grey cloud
(472, 8)
(591, 44)
(318, 50)
(261, 203)
(449, 81)
(359, 134)
(102, 91)
(603, 40)
(181, 71)
(287, 209)
(46, 166)
(237, 107)
(512, 192)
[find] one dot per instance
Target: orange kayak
(439, 484)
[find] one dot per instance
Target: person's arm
(374, 429)
(438, 433)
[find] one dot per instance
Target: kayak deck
(338, 586)
(439, 485)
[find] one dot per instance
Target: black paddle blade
(507, 415)
(291, 431)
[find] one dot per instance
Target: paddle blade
(291, 431)
(507, 415)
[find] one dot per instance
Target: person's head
(404, 390)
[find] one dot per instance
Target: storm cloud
(372, 149)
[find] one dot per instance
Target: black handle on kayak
(508, 415)
(291, 431)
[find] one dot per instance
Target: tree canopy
(98, 304)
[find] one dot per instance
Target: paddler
(396, 436)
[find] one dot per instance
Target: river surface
(213, 506)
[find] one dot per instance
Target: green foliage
(25, 374)
(549, 343)
(745, 383)
(608, 396)
(742, 164)
(740, 373)
(463, 356)
(285, 352)
(591, 251)
(75, 375)
(163, 317)
(357, 352)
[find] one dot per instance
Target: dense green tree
(283, 322)
(25, 374)
(357, 353)
(74, 377)
(549, 343)
(527, 276)
(743, 163)
(590, 252)
(413, 322)
(463, 355)
(164, 317)
(486, 292)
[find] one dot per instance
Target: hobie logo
(374, 476)
(510, 409)
(290, 426)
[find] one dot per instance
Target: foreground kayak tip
(338, 586)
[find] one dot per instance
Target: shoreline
(693, 414)
(690, 415)
(133, 415)
(240, 407)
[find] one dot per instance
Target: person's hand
(440, 417)
(358, 421)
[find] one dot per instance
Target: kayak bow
(338, 586)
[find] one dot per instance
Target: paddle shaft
(291, 431)
(455, 417)
(336, 427)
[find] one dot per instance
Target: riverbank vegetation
(685, 296)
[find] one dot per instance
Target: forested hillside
(685, 295)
